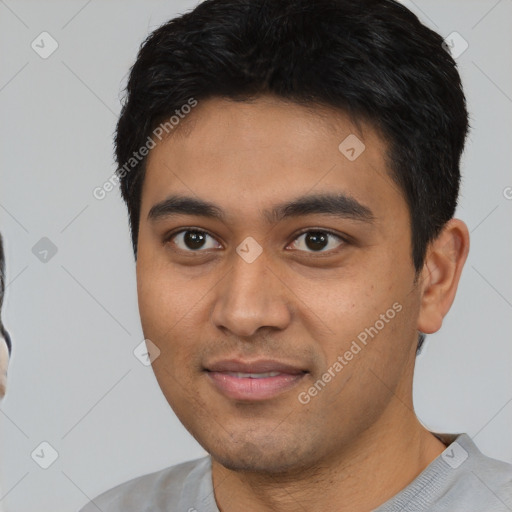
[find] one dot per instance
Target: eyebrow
(338, 205)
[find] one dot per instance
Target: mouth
(253, 381)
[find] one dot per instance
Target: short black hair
(3, 332)
(372, 59)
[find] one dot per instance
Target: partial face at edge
(4, 361)
(320, 281)
(4, 349)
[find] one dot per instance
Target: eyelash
(342, 239)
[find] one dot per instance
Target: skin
(4, 350)
(357, 442)
(4, 361)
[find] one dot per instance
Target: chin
(248, 462)
(267, 456)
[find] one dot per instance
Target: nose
(250, 297)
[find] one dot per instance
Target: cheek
(365, 317)
(162, 296)
(347, 302)
(172, 315)
(4, 361)
(153, 300)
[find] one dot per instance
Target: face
(4, 350)
(275, 277)
(4, 361)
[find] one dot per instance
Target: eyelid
(169, 236)
(343, 238)
(318, 229)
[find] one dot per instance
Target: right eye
(192, 240)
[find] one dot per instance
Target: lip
(222, 374)
(257, 366)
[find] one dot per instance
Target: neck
(371, 469)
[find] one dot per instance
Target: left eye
(193, 240)
(317, 241)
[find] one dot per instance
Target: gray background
(74, 381)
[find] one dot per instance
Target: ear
(440, 275)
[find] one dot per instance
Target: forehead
(247, 153)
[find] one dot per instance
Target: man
(291, 171)
(5, 340)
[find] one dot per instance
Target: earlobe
(441, 273)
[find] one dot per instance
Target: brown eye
(317, 241)
(194, 240)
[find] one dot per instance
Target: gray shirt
(461, 479)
